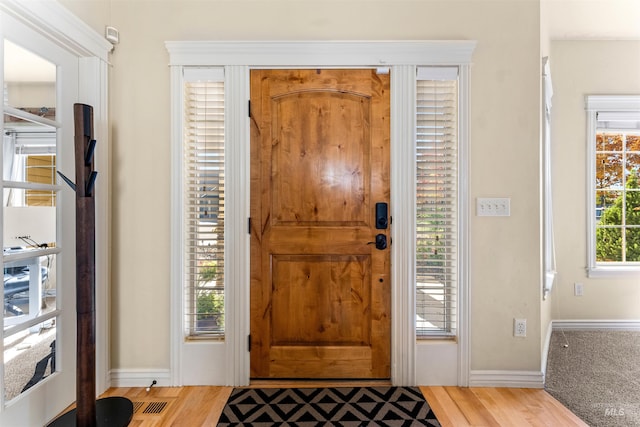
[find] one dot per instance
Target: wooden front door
(320, 289)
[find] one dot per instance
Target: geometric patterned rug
(340, 406)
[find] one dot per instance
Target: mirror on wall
(29, 81)
(29, 219)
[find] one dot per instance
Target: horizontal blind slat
(204, 157)
(436, 207)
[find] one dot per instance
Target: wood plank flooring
(463, 407)
(454, 406)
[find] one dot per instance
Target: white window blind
(618, 120)
(436, 201)
(204, 171)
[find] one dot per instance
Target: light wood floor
(454, 406)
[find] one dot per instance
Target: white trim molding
(176, 269)
(403, 112)
(511, 379)
(545, 349)
(320, 53)
(596, 325)
(464, 287)
(238, 58)
(237, 240)
(140, 377)
(58, 24)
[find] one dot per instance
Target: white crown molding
(58, 24)
(511, 379)
(320, 53)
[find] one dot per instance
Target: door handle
(382, 221)
(381, 242)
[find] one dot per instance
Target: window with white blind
(203, 178)
(614, 184)
(436, 201)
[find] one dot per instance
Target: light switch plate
(495, 206)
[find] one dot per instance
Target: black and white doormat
(357, 406)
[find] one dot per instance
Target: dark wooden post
(111, 411)
(85, 267)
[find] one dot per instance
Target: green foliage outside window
(609, 240)
(209, 302)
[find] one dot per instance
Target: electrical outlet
(493, 206)
(519, 327)
(578, 289)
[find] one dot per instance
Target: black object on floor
(344, 406)
(110, 412)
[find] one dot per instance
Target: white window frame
(239, 58)
(593, 105)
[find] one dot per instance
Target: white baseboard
(495, 378)
(588, 325)
(140, 377)
(512, 379)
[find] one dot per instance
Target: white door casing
(227, 362)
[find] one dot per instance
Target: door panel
(317, 161)
(320, 291)
(41, 332)
(330, 292)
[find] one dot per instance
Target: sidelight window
(203, 178)
(436, 201)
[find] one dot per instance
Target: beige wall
(592, 19)
(582, 68)
(31, 95)
(505, 105)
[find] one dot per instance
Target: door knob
(381, 242)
